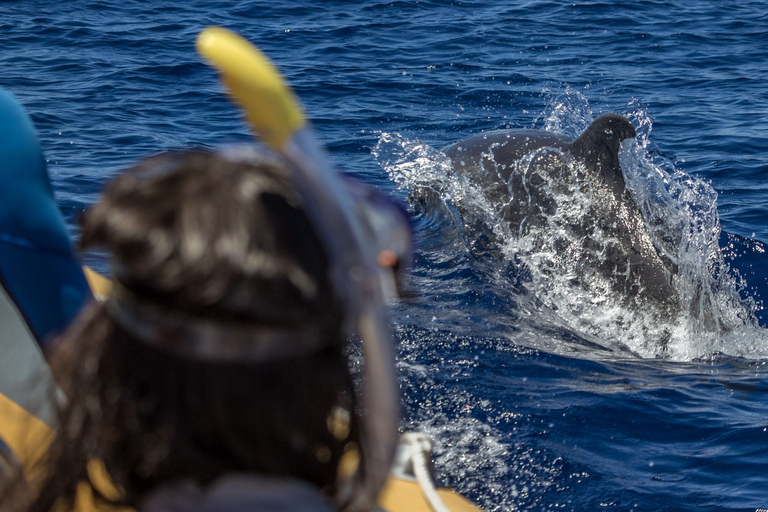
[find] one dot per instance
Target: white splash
(680, 213)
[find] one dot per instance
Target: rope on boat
(420, 446)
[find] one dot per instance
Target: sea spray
(561, 292)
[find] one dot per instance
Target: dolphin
(529, 175)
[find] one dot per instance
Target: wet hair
(201, 236)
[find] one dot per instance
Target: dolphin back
(571, 193)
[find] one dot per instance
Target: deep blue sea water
(534, 402)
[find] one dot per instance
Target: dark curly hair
(202, 237)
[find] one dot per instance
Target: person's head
(222, 347)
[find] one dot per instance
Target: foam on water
(468, 430)
(563, 295)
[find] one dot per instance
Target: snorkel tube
(274, 113)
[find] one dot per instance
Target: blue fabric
(8, 462)
(4, 448)
(37, 266)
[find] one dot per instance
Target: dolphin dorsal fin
(599, 146)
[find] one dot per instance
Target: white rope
(420, 445)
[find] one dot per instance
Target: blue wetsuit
(42, 285)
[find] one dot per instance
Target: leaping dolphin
(529, 175)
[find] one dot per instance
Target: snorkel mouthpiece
(273, 112)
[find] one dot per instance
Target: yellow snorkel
(274, 113)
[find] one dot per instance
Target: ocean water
(538, 396)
